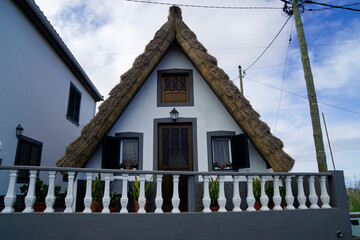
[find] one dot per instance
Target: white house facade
(42, 89)
(206, 115)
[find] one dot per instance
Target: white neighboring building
(42, 88)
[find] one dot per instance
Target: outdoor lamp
(19, 130)
(174, 115)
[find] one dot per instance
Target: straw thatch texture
(270, 147)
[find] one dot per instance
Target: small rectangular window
(28, 154)
(221, 153)
(129, 153)
(73, 110)
(175, 88)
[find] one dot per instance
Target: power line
(304, 97)
(334, 6)
(206, 6)
(269, 44)
(283, 80)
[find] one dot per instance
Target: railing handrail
(158, 172)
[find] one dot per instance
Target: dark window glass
(28, 154)
(73, 110)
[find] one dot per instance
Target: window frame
(124, 136)
(162, 73)
(23, 139)
(76, 109)
(214, 135)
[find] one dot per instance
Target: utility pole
(314, 111)
(241, 82)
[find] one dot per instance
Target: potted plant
(228, 165)
(114, 202)
(214, 194)
(216, 165)
(257, 192)
(97, 195)
(136, 191)
(41, 191)
(133, 164)
(122, 165)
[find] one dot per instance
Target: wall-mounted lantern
(19, 130)
(174, 115)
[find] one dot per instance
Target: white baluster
(221, 200)
(175, 198)
(301, 196)
(206, 201)
(142, 199)
(70, 193)
(106, 198)
(312, 196)
(88, 197)
(50, 198)
(236, 196)
(250, 200)
(124, 199)
(325, 199)
(10, 195)
(276, 198)
(30, 196)
(289, 196)
(264, 199)
(158, 199)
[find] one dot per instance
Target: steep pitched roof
(270, 147)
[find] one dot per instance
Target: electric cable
(283, 80)
(206, 6)
(268, 45)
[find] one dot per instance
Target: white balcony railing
(305, 189)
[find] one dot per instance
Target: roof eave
(32, 11)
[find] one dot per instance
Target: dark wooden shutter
(111, 153)
(240, 151)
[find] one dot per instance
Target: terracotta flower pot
(214, 208)
(257, 206)
(96, 207)
(39, 206)
(136, 204)
(114, 209)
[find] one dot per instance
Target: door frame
(191, 179)
(156, 141)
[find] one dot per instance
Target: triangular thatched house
(216, 126)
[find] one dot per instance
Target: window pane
(166, 146)
(221, 153)
(175, 147)
(129, 151)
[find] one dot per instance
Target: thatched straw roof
(175, 30)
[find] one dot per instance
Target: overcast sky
(106, 36)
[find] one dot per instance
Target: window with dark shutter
(28, 153)
(73, 110)
(227, 151)
(240, 151)
(123, 151)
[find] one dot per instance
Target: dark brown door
(175, 154)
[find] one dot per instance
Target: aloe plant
(96, 190)
(256, 189)
(136, 188)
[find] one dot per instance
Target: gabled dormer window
(175, 88)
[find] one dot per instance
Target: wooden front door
(175, 154)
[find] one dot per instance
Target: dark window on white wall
(123, 150)
(73, 110)
(28, 153)
(227, 150)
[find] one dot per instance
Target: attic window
(175, 88)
